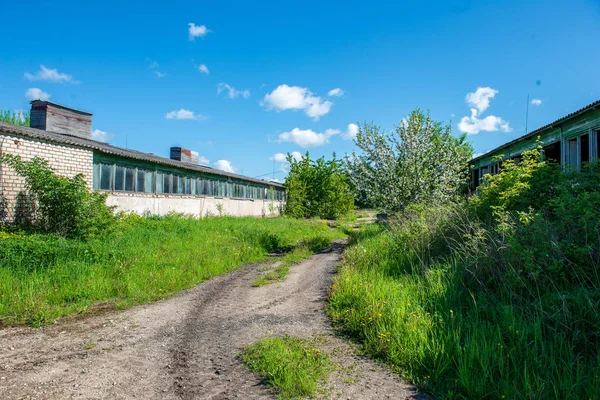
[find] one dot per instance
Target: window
(129, 179)
(141, 181)
(167, 183)
(119, 178)
(584, 147)
(106, 176)
(571, 152)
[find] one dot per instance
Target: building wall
(197, 206)
(66, 160)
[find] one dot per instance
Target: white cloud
(473, 125)
(232, 92)
(195, 31)
(279, 157)
(536, 102)
(154, 67)
(51, 75)
(184, 114)
(480, 101)
(337, 92)
(203, 68)
(307, 138)
(351, 132)
(274, 180)
(225, 165)
(297, 156)
(37, 94)
(101, 136)
(286, 97)
(203, 160)
(476, 155)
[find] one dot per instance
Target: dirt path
(187, 346)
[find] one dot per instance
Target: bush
(65, 206)
(317, 188)
(495, 298)
(420, 162)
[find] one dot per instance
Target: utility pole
(527, 113)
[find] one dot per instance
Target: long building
(134, 181)
(570, 141)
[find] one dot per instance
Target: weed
(43, 277)
(292, 365)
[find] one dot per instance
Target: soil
(187, 347)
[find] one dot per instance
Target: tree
(317, 188)
(420, 161)
(15, 117)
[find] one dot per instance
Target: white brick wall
(66, 160)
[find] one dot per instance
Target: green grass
(292, 365)
(304, 250)
(427, 318)
(43, 277)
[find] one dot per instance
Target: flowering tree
(420, 161)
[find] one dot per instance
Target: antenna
(527, 114)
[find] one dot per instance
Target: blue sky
(271, 70)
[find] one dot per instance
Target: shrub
(317, 188)
(65, 206)
(15, 117)
(421, 161)
(495, 298)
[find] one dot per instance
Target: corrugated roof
(538, 130)
(61, 138)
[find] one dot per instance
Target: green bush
(43, 277)
(65, 206)
(317, 188)
(497, 298)
(15, 117)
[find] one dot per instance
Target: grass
(304, 250)
(428, 318)
(43, 277)
(293, 366)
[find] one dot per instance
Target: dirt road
(187, 347)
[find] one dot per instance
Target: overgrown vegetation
(421, 161)
(302, 251)
(45, 276)
(59, 205)
(317, 188)
(495, 298)
(293, 366)
(20, 118)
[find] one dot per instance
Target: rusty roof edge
(589, 107)
(119, 151)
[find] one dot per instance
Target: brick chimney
(60, 119)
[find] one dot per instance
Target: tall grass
(43, 277)
(293, 366)
(456, 336)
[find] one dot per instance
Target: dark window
(106, 176)
(584, 141)
(167, 183)
(141, 181)
(129, 179)
(119, 178)
(552, 152)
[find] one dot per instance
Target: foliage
(317, 188)
(302, 251)
(15, 117)
(43, 277)
(419, 162)
(65, 206)
(292, 365)
(497, 298)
